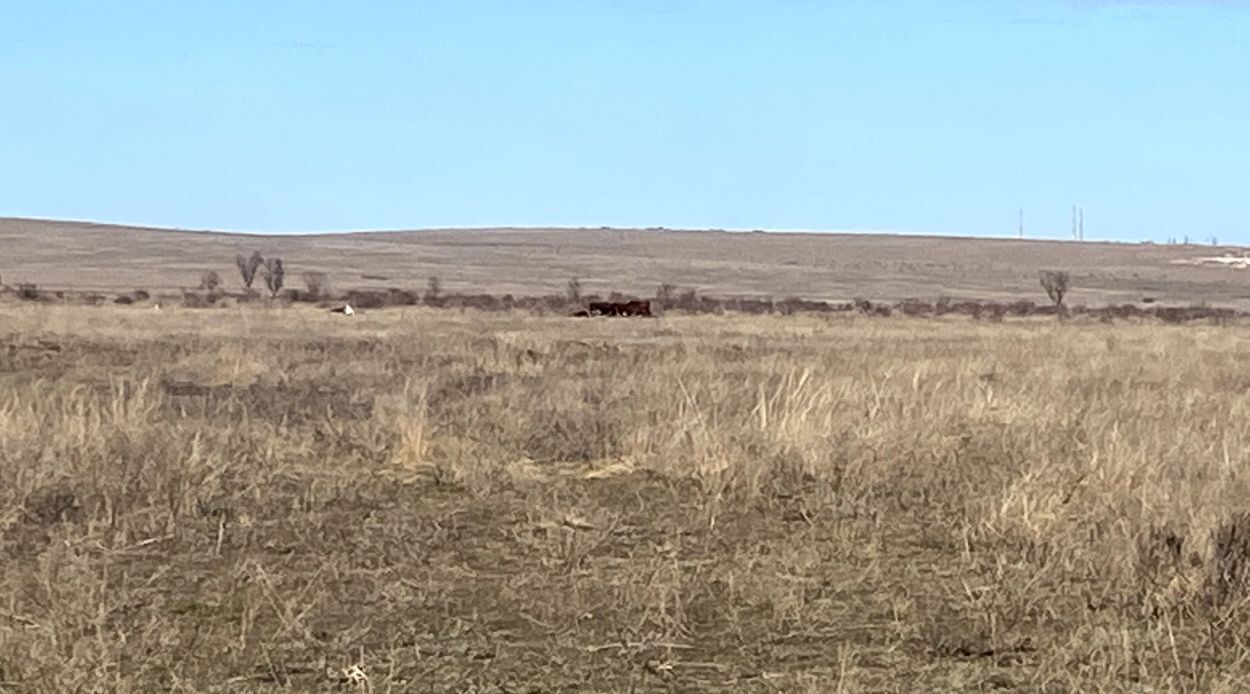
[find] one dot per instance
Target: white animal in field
(346, 310)
(156, 307)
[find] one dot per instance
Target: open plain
(534, 262)
(277, 498)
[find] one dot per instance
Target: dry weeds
(419, 500)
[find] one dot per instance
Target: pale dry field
(254, 499)
(829, 267)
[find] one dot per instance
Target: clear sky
(946, 117)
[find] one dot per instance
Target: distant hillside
(75, 255)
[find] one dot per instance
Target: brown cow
(614, 308)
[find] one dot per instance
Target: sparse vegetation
(192, 299)
(316, 283)
(28, 291)
(210, 281)
(275, 275)
(511, 503)
(1056, 285)
(248, 267)
(433, 290)
(664, 294)
(574, 291)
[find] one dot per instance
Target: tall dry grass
(1067, 495)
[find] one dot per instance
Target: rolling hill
(102, 257)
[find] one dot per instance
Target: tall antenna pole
(1021, 227)
(1074, 222)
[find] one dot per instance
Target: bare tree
(248, 267)
(210, 280)
(316, 283)
(575, 291)
(665, 293)
(1056, 285)
(275, 275)
(433, 289)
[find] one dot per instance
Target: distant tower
(1074, 236)
(1080, 224)
(1020, 229)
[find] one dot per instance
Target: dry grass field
(533, 262)
(412, 500)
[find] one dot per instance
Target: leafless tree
(1056, 285)
(575, 291)
(275, 275)
(210, 280)
(433, 289)
(248, 267)
(316, 282)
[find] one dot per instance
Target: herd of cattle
(976, 310)
(625, 309)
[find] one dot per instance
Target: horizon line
(846, 231)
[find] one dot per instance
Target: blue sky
(944, 117)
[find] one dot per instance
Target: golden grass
(414, 500)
